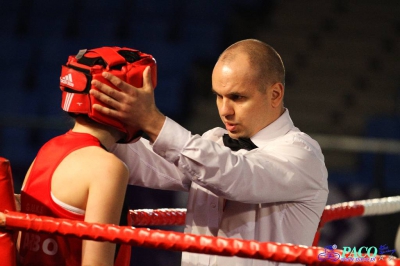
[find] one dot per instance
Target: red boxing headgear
(76, 76)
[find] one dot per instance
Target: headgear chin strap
(76, 76)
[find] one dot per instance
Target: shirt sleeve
(148, 169)
(290, 169)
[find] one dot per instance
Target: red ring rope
(333, 212)
(177, 241)
(147, 217)
(338, 211)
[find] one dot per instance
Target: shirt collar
(279, 127)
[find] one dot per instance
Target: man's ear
(277, 93)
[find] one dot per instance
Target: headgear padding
(76, 76)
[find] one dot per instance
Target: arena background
(343, 83)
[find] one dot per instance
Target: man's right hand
(133, 106)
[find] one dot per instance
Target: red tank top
(46, 249)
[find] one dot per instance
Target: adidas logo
(67, 101)
(67, 80)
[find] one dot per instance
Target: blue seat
(99, 19)
(47, 18)
(147, 9)
(205, 39)
(12, 91)
(173, 58)
(207, 11)
(350, 178)
(9, 23)
(12, 6)
(99, 28)
(151, 29)
(16, 146)
(17, 53)
(41, 27)
(170, 97)
(47, 91)
(102, 9)
(386, 166)
(10, 14)
(18, 99)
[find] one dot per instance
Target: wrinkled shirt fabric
(274, 193)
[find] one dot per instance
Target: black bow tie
(237, 144)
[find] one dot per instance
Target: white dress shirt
(276, 192)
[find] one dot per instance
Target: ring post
(7, 202)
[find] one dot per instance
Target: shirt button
(213, 205)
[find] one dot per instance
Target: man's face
(242, 106)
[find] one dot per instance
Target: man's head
(76, 76)
(248, 80)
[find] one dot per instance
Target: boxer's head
(76, 76)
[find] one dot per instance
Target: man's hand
(135, 107)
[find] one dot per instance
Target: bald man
(259, 178)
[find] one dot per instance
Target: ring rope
(176, 241)
(147, 217)
(381, 206)
(345, 210)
